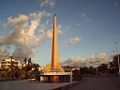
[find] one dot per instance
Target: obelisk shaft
(54, 45)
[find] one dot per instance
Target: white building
(7, 62)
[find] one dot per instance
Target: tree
(114, 64)
(92, 70)
(103, 68)
(115, 60)
(29, 61)
(84, 70)
(25, 61)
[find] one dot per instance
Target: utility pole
(118, 58)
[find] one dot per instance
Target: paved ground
(98, 83)
(88, 83)
(28, 85)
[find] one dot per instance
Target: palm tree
(25, 61)
(29, 61)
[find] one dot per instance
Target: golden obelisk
(54, 72)
(54, 67)
(54, 64)
(54, 45)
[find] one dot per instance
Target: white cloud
(26, 32)
(3, 52)
(48, 3)
(21, 53)
(49, 33)
(17, 20)
(60, 29)
(2, 38)
(23, 34)
(74, 41)
(98, 59)
(75, 61)
(86, 61)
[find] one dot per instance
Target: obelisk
(54, 45)
(54, 71)
(54, 62)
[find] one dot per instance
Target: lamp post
(118, 58)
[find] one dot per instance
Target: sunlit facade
(6, 63)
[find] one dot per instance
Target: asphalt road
(29, 85)
(98, 83)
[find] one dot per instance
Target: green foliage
(103, 68)
(113, 66)
(15, 73)
(12, 74)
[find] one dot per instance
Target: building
(69, 69)
(6, 63)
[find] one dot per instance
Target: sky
(87, 30)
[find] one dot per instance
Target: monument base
(56, 77)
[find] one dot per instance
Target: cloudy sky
(87, 30)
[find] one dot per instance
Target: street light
(118, 58)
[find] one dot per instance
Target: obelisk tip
(54, 14)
